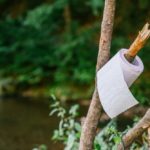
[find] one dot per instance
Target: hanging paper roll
(113, 82)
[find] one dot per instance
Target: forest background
(51, 46)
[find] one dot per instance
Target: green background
(51, 46)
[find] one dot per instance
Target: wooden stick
(139, 43)
(144, 123)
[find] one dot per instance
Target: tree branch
(136, 131)
(139, 43)
(90, 125)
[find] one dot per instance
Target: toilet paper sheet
(113, 82)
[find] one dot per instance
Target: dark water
(25, 123)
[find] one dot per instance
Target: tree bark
(90, 125)
(135, 132)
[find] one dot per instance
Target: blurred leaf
(53, 111)
(70, 142)
(74, 109)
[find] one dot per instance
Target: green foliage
(140, 90)
(45, 14)
(69, 130)
(25, 46)
(109, 137)
(96, 5)
(57, 42)
(2, 1)
(37, 49)
(41, 147)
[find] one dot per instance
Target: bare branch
(90, 125)
(139, 43)
(136, 131)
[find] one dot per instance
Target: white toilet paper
(113, 82)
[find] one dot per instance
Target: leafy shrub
(69, 130)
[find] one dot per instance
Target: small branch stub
(139, 43)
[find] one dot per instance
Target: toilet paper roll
(113, 82)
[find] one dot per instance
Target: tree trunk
(90, 125)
